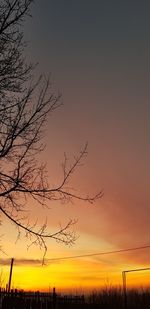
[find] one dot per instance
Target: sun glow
(80, 275)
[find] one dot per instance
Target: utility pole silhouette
(10, 275)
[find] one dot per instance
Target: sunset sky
(98, 55)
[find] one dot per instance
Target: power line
(99, 253)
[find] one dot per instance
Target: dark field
(105, 299)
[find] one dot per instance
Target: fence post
(54, 298)
(124, 288)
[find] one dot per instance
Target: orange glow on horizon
(84, 275)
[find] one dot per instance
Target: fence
(106, 299)
(36, 300)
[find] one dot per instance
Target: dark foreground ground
(107, 299)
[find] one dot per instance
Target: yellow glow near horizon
(82, 274)
(76, 275)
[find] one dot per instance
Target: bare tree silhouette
(24, 106)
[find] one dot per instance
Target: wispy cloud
(21, 262)
(29, 262)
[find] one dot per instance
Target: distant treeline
(105, 299)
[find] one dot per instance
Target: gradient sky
(98, 55)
